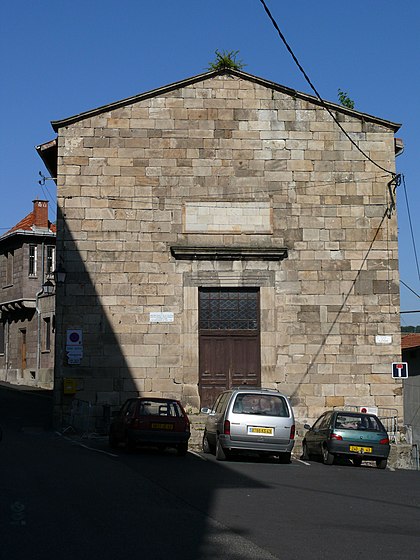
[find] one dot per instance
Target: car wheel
(305, 453)
(182, 449)
(221, 454)
(113, 441)
(327, 457)
(284, 458)
(206, 445)
(381, 463)
(357, 461)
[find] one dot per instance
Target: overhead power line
(282, 37)
(408, 288)
(411, 227)
(415, 311)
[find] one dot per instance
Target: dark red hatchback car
(151, 421)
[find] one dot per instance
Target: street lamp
(60, 274)
(48, 287)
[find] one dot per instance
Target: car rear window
(263, 405)
(358, 422)
(160, 408)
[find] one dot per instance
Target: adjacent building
(410, 343)
(224, 230)
(27, 302)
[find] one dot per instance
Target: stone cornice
(229, 253)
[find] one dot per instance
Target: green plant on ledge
(345, 99)
(226, 59)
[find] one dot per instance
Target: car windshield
(160, 408)
(358, 422)
(264, 405)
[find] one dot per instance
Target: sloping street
(69, 498)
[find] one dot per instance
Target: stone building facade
(27, 262)
(223, 230)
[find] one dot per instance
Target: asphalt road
(66, 498)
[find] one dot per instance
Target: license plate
(260, 431)
(161, 426)
(359, 449)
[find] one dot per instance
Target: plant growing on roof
(345, 99)
(226, 59)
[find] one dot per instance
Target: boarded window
(1, 338)
(47, 334)
(9, 268)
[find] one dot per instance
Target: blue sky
(59, 58)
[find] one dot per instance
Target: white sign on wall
(383, 339)
(369, 409)
(74, 346)
(74, 337)
(161, 317)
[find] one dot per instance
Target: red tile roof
(27, 224)
(410, 340)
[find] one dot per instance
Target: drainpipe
(6, 349)
(38, 344)
(38, 311)
(416, 456)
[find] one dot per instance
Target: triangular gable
(208, 75)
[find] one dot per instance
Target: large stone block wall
(136, 180)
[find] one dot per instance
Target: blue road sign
(400, 370)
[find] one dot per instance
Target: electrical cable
(208, 203)
(408, 288)
(411, 226)
(282, 37)
(48, 197)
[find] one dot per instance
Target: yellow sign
(69, 386)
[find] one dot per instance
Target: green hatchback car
(356, 435)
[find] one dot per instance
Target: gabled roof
(410, 340)
(208, 75)
(27, 225)
(48, 152)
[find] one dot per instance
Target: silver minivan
(252, 419)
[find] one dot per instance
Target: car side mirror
(205, 410)
(307, 426)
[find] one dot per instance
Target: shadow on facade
(172, 513)
(93, 380)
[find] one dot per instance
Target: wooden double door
(229, 340)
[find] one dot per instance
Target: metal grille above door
(229, 340)
(229, 309)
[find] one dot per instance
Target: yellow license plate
(260, 431)
(157, 426)
(359, 449)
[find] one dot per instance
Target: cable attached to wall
(325, 106)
